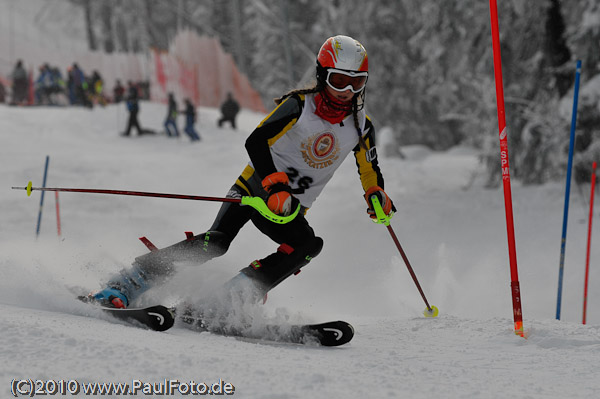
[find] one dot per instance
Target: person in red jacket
(293, 153)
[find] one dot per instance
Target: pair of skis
(161, 318)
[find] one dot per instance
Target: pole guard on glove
(381, 208)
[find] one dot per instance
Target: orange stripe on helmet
(353, 54)
(364, 66)
(328, 54)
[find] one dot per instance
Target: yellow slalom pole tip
(433, 312)
(29, 188)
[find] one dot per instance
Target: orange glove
(384, 200)
(280, 198)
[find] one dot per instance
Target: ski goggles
(340, 80)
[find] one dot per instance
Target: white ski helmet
(342, 63)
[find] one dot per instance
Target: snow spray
(512, 253)
(563, 240)
(589, 241)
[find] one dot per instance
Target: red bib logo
(320, 150)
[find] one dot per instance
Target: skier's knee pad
(275, 268)
(302, 254)
(313, 247)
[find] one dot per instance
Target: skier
(171, 119)
(293, 153)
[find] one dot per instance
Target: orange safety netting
(194, 67)
(197, 68)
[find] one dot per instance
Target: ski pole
(384, 219)
(255, 202)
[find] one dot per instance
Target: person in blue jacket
(171, 119)
(190, 120)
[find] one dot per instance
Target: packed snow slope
(453, 232)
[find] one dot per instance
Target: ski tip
(161, 317)
(431, 312)
(333, 333)
(29, 188)
(157, 318)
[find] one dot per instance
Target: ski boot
(122, 289)
(109, 297)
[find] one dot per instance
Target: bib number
(303, 182)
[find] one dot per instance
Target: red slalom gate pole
(589, 241)
(512, 252)
(57, 213)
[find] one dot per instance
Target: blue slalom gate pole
(563, 240)
(39, 222)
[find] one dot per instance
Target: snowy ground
(454, 235)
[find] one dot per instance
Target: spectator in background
(96, 88)
(118, 92)
(20, 84)
(49, 86)
(57, 86)
(133, 107)
(143, 89)
(43, 85)
(229, 109)
(70, 85)
(130, 86)
(190, 119)
(171, 120)
(2, 93)
(76, 83)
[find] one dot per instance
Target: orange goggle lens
(341, 80)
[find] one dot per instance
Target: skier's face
(343, 96)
